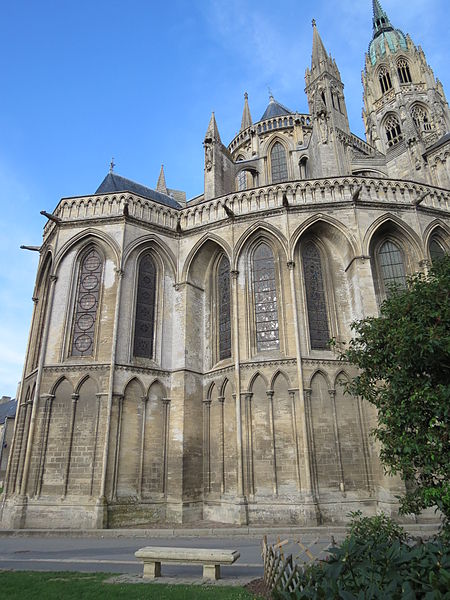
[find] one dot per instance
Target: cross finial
(112, 164)
(270, 91)
(313, 22)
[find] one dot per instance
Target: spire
(161, 185)
(212, 133)
(246, 116)
(380, 19)
(319, 54)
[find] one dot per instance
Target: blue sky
(84, 81)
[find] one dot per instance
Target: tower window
(86, 305)
(242, 181)
(385, 80)
(404, 73)
(278, 163)
(223, 287)
(420, 118)
(393, 131)
(265, 297)
(145, 308)
(319, 332)
(391, 265)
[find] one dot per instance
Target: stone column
(221, 401)
(166, 405)
(207, 446)
(337, 441)
(272, 435)
(142, 447)
(69, 450)
(295, 435)
(45, 428)
(117, 446)
(310, 438)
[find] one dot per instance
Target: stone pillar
(144, 400)
(207, 446)
(337, 441)
(69, 449)
(166, 404)
(295, 435)
(249, 444)
(45, 427)
(272, 435)
(221, 401)
(117, 446)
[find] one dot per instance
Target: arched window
(278, 163)
(303, 165)
(385, 80)
(223, 288)
(242, 181)
(420, 118)
(436, 250)
(403, 71)
(145, 308)
(319, 332)
(393, 131)
(391, 265)
(265, 298)
(86, 304)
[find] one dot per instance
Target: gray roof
(275, 109)
(115, 183)
(441, 141)
(8, 410)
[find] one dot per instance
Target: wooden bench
(153, 556)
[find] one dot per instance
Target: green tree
(403, 357)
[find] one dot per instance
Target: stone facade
(178, 366)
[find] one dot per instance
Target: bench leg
(211, 571)
(152, 570)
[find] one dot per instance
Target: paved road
(116, 555)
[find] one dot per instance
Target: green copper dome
(384, 34)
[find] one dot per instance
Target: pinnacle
(319, 53)
(246, 116)
(212, 133)
(161, 185)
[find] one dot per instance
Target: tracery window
(392, 268)
(319, 331)
(404, 73)
(278, 163)
(393, 131)
(86, 304)
(242, 181)
(224, 305)
(385, 80)
(436, 250)
(145, 308)
(420, 118)
(265, 298)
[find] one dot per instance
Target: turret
(219, 166)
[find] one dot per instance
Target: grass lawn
(30, 585)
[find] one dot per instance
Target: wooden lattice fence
(283, 573)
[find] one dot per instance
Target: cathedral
(179, 366)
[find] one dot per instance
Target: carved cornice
(324, 361)
(145, 370)
(75, 368)
(268, 363)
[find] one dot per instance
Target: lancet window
(385, 80)
(86, 304)
(265, 299)
(403, 71)
(242, 181)
(319, 331)
(224, 305)
(393, 131)
(391, 265)
(436, 250)
(278, 163)
(145, 308)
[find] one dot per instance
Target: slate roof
(441, 141)
(275, 109)
(115, 183)
(8, 410)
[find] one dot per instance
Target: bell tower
(405, 110)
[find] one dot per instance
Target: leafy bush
(376, 561)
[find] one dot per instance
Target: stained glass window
(145, 308)
(436, 250)
(242, 181)
(404, 73)
(265, 295)
(223, 274)
(86, 305)
(391, 265)
(279, 163)
(319, 332)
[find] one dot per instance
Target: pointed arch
(316, 220)
(279, 374)
(342, 374)
(82, 381)
(136, 380)
(157, 383)
(58, 383)
(153, 243)
(195, 251)
(225, 385)
(320, 373)
(264, 231)
(437, 232)
(254, 379)
(83, 239)
(210, 392)
(391, 219)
